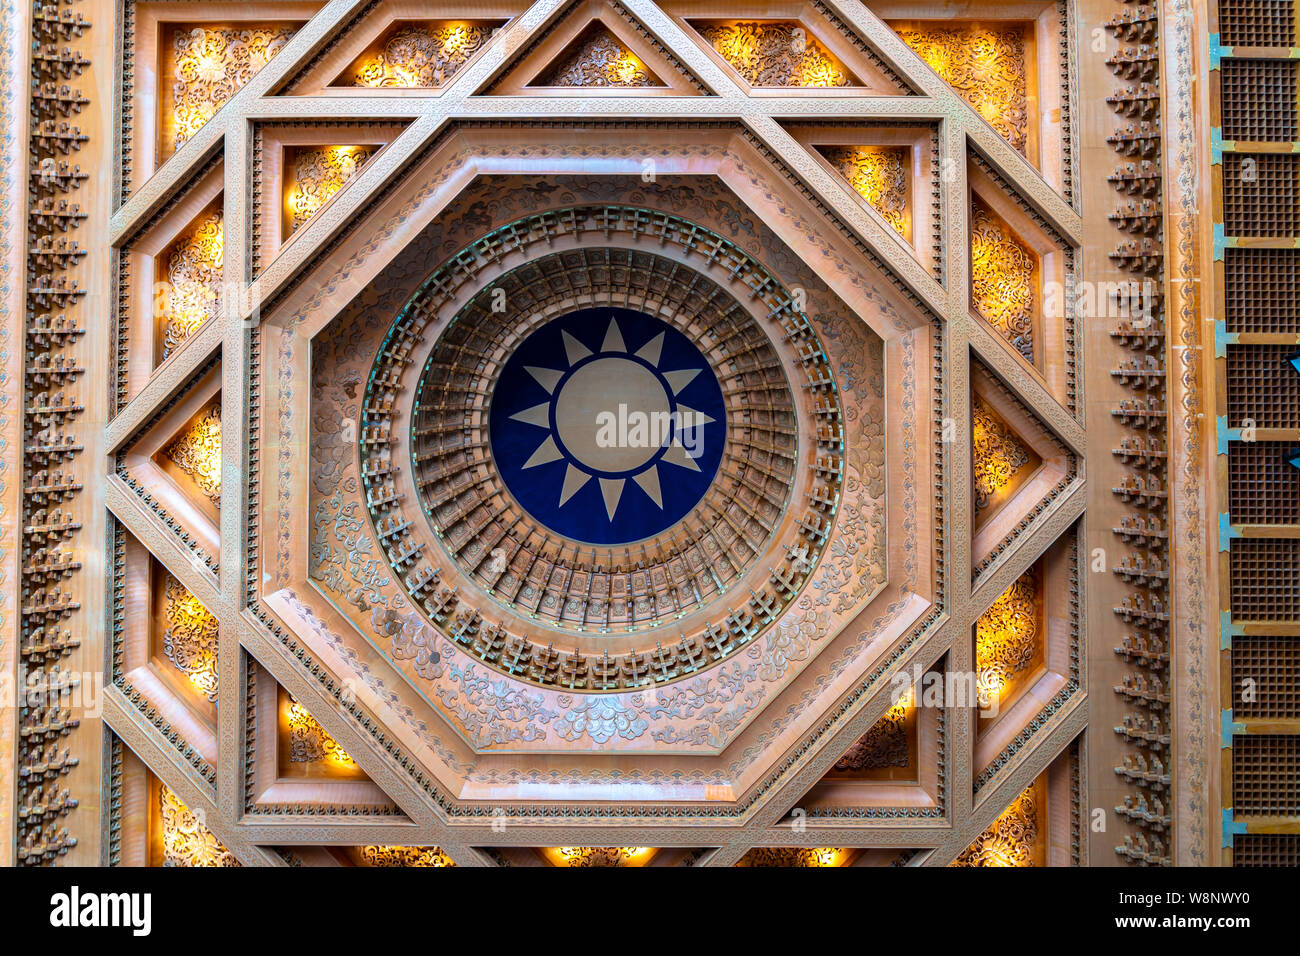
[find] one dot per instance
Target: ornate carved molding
(884, 745)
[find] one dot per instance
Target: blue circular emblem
(607, 425)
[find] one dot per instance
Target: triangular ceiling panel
(298, 766)
(596, 45)
(1018, 465)
(396, 45)
(173, 464)
(303, 169)
(806, 48)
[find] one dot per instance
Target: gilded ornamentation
(879, 175)
(1005, 638)
(193, 292)
(425, 56)
(986, 67)
(405, 856)
(319, 174)
(775, 54)
(210, 66)
(597, 855)
(198, 453)
(1010, 841)
(998, 453)
(601, 61)
(794, 856)
(884, 745)
(309, 742)
(186, 841)
(1002, 279)
(190, 640)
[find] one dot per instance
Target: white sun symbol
(611, 389)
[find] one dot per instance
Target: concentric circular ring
(561, 609)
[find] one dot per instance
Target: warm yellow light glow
(209, 65)
(879, 175)
(192, 292)
(588, 856)
(775, 53)
(309, 741)
(1003, 277)
(198, 453)
(1006, 637)
(402, 856)
(986, 67)
(830, 856)
(424, 55)
(998, 453)
(317, 175)
(185, 839)
(1012, 840)
(190, 636)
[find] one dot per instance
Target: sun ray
(649, 483)
(652, 350)
(546, 452)
(680, 379)
(690, 418)
(612, 490)
(548, 378)
(574, 350)
(677, 455)
(613, 339)
(539, 415)
(574, 479)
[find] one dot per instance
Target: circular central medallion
(607, 425)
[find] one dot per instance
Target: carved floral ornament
(998, 453)
(210, 66)
(1006, 637)
(1003, 272)
(192, 295)
(602, 60)
(309, 742)
(879, 175)
(318, 174)
(1011, 840)
(986, 67)
(186, 841)
(595, 856)
(403, 856)
(198, 452)
(884, 745)
(775, 53)
(424, 56)
(791, 856)
(190, 638)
